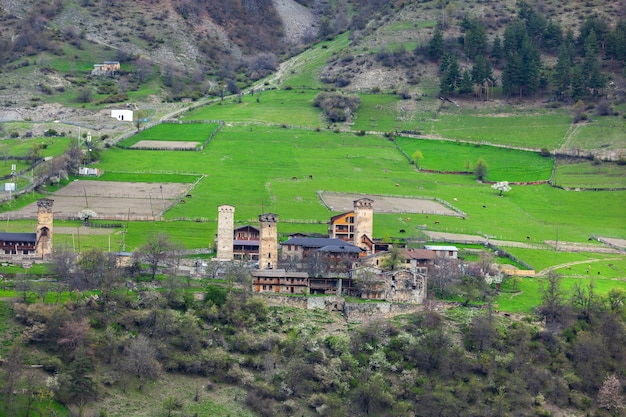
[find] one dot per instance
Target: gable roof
(247, 227)
(338, 216)
(18, 237)
(346, 248)
(417, 254)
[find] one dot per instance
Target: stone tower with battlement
(45, 219)
(363, 221)
(268, 244)
(225, 232)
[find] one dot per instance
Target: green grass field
(533, 131)
(307, 68)
(525, 295)
(289, 107)
(280, 170)
(504, 164)
(188, 132)
(591, 175)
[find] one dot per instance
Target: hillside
(456, 125)
(178, 49)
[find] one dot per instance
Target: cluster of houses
(349, 261)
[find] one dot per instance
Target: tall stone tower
(225, 232)
(268, 244)
(44, 227)
(363, 221)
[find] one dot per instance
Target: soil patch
(111, 200)
(165, 144)
(387, 204)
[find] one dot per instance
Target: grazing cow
(402, 231)
(182, 201)
(484, 206)
(436, 222)
(188, 196)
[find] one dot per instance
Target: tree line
(578, 74)
(142, 322)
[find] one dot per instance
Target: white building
(122, 115)
(444, 251)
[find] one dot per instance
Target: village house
(246, 243)
(106, 68)
(30, 246)
(449, 252)
(295, 249)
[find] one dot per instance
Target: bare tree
(368, 282)
(610, 395)
(315, 264)
(74, 335)
(237, 274)
(442, 274)
(553, 309)
(140, 359)
(155, 252)
(12, 366)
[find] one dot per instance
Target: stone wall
(364, 313)
(353, 312)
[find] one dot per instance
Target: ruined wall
(366, 312)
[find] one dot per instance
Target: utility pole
(88, 147)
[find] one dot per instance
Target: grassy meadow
(280, 170)
(590, 175)
(276, 152)
(188, 132)
(504, 164)
(291, 107)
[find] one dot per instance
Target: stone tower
(225, 232)
(44, 227)
(268, 244)
(363, 221)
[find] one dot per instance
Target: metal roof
(346, 248)
(18, 237)
(435, 247)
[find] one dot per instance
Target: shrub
(545, 152)
(337, 106)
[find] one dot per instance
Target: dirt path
(549, 269)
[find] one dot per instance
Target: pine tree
(553, 36)
(497, 53)
(562, 77)
(475, 37)
(593, 78)
(450, 78)
(436, 47)
(466, 85)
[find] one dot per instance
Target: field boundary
(220, 124)
(457, 211)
